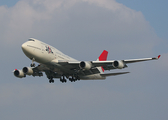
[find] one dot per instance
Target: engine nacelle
(86, 65)
(19, 73)
(28, 70)
(119, 64)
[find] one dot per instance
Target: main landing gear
(51, 80)
(72, 79)
(62, 79)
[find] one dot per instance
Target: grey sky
(82, 29)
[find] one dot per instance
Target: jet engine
(28, 70)
(86, 65)
(119, 64)
(19, 73)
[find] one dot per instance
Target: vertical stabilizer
(102, 57)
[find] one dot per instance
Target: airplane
(55, 64)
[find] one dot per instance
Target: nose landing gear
(32, 64)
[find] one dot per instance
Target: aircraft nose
(27, 51)
(24, 46)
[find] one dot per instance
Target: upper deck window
(31, 40)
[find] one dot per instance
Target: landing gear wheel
(51, 81)
(72, 79)
(62, 79)
(32, 65)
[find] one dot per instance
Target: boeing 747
(55, 64)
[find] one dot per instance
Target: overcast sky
(82, 29)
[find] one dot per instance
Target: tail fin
(102, 57)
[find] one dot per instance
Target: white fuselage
(43, 53)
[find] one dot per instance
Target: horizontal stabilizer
(113, 74)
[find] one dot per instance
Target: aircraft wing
(91, 66)
(140, 60)
(80, 67)
(119, 64)
(73, 67)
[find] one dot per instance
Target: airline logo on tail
(103, 57)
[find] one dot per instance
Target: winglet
(156, 58)
(159, 56)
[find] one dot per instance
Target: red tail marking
(159, 56)
(103, 57)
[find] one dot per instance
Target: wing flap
(113, 74)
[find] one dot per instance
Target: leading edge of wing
(110, 62)
(113, 74)
(140, 60)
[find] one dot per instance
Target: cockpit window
(31, 40)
